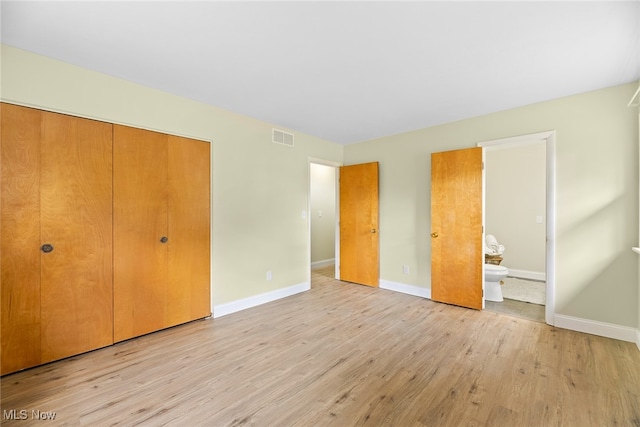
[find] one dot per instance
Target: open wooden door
(359, 261)
(457, 250)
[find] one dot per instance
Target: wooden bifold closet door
(161, 231)
(56, 236)
(105, 234)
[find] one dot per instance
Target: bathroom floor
(515, 308)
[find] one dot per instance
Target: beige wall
(597, 196)
(260, 189)
(322, 212)
(515, 195)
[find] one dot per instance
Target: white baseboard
(608, 330)
(525, 274)
(323, 263)
(405, 289)
(256, 300)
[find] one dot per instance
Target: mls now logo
(23, 414)
(14, 414)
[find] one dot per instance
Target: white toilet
(493, 274)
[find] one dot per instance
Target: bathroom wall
(259, 189)
(515, 206)
(322, 213)
(596, 201)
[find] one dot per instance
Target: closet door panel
(140, 222)
(20, 242)
(76, 220)
(189, 230)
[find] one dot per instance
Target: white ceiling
(343, 71)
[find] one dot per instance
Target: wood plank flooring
(340, 355)
(521, 309)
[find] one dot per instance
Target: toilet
(493, 274)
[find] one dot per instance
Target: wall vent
(282, 137)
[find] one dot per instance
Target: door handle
(373, 230)
(434, 235)
(164, 239)
(46, 248)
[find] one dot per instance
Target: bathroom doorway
(519, 213)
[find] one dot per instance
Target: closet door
(161, 234)
(189, 230)
(76, 220)
(56, 236)
(140, 231)
(20, 237)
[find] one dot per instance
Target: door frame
(549, 139)
(336, 166)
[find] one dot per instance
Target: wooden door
(161, 231)
(359, 244)
(457, 250)
(56, 190)
(20, 237)
(76, 220)
(140, 224)
(189, 284)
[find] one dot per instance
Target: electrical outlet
(405, 269)
(269, 275)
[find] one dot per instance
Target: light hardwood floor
(521, 309)
(342, 355)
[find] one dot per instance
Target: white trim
(256, 300)
(516, 141)
(337, 231)
(593, 327)
(484, 225)
(525, 274)
(548, 138)
(550, 304)
(405, 289)
(635, 99)
(324, 162)
(211, 231)
(638, 338)
(322, 263)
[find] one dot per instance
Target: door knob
(164, 239)
(46, 248)
(434, 235)
(373, 230)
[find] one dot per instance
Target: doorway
(324, 249)
(533, 245)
